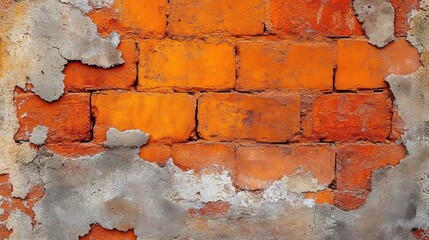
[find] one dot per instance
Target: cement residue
(128, 138)
(39, 135)
(377, 18)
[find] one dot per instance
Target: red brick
(350, 200)
(264, 118)
(97, 232)
(281, 65)
(166, 117)
(201, 17)
(355, 163)
(260, 165)
(156, 153)
(314, 17)
(67, 120)
(188, 65)
(74, 150)
(81, 77)
(352, 117)
(204, 157)
(398, 126)
(420, 234)
(364, 66)
(403, 9)
(212, 208)
(132, 18)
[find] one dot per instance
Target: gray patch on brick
(377, 18)
(128, 138)
(56, 32)
(39, 135)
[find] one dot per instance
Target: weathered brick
(77, 149)
(355, 163)
(132, 18)
(364, 66)
(188, 65)
(264, 118)
(315, 17)
(350, 200)
(398, 126)
(67, 120)
(81, 77)
(156, 153)
(166, 117)
(201, 17)
(282, 65)
(97, 232)
(321, 197)
(352, 117)
(403, 9)
(212, 208)
(259, 166)
(204, 157)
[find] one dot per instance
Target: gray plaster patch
(128, 138)
(39, 135)
(377, 18)
(57, 36)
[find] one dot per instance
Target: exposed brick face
(67, 120)
(363, 66)
(314, 17)
(201, 17)
(204, 157)
(80, 77)
(355, 163)
(260, 165)
(282, 65)
(188, 65)
(227, 117)
(260, 88)
(174, 120)
(352, 117)
(132, 18)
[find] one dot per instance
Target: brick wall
(259, 88)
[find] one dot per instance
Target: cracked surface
(118, 189)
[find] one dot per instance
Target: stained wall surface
(233, 119)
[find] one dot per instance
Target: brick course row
(194, 65)
(238, 17)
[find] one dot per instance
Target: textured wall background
(234, 119)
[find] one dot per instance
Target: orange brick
(74, 150)
(200, 17)
(262, 118)
(67, 120)
(350, 200)
(97, 232)
(355, 163)
(192, 65)
(315, 17)
(156, 153)
(259, 166)
(276, 65)
(168, 118)
(202, 157)
(132, 18)
(351, 117)
(322, 197)
(403, 9)
(81, 77)
(364, 66)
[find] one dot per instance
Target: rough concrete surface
(378, 18)
(117, 189)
